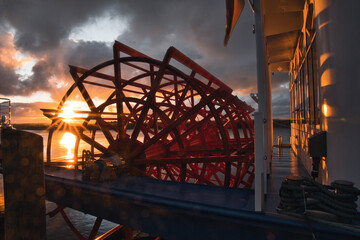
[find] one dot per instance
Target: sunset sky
(40, 38)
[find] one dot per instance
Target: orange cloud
(8, 51)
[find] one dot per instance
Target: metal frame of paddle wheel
(168, 124)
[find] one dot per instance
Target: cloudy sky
(40, 38)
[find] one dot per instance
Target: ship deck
(284, 163)
(176, 210)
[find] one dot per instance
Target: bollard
(280, 141)
(24, 191)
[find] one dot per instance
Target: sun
(67, 114)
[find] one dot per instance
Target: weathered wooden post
(24, 190)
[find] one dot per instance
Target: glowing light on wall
(68, 141)
(325, 110)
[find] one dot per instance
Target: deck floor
(284, 163)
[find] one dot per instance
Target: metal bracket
(251, 5)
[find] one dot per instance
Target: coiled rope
(300, 194)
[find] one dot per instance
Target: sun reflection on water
(68, 141)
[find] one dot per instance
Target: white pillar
(263, 85)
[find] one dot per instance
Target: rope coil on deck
(299, 194)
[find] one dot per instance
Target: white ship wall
(338, 46)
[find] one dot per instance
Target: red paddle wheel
(171, 123)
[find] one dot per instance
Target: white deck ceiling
(283, 21)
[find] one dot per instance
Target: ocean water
(56, 227)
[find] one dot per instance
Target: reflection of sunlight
(68, 140)
(2, 201)
(327, 110)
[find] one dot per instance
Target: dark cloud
(12, 85)
(280, 95)
(281, 105)
(42, 28)
(89, 54)
(42, 72)
(11, 82)
(41, 24)
(279, 80)
(197, 29)
(8, 80)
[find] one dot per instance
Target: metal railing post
(259, 161)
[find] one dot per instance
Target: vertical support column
(262, 78)
(269, 119)
(259, 161)
(24, 190)
(117, 82)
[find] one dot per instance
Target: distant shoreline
(31, 126)
(277, 123)
(281, 123)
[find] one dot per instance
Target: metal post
(261, 78)
(259, 161)
(269, 120)
(23, 185)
